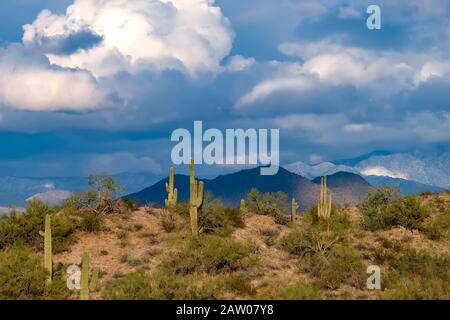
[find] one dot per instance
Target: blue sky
(92, 85)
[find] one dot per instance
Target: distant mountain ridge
(422, 170)
(347, 188)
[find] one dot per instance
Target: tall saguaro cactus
(85, 286)
(294, 207)
(172, 193)
(48, 263)
(196, 198)
(324, 202)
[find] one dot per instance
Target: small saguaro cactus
(172, 193)
(294, 207)
(196, 198)
(324, 202)
(243, 208)
(85, 286)
(48, 259)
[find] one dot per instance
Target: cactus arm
(94, 280)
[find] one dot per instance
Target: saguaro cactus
(85, 286)
(324, 202)
(243, 208)
(294, 207)
(48, 263)
(196, 198)
(172, 193)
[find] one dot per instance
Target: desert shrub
(132, 204)
(339, 220)
(439, 227)
(214, 217)
(376, 201)
(302, 291)
(308, 241)
(418, 275)
(23, 277)
(181, 208)
(24, 228)
(101, 196)
(273, 204)
(210, 254)
(239, 283)
(340, 265)
(407, 212)
(167, 220)
(384, 209)
(91, 222)
(140, 286)
(269, 236)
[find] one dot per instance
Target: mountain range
(347, 188)
(412, 173)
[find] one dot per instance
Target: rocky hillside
(149, 253)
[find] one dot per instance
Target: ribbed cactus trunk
(84, 292)
(87, 287)
(48, 263)
(243, 208)
(294, 207)
(172, 193)
(196, 198)
(324, 202)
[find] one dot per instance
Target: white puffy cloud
(187, 35)
(240, 63)
(331, 64)
(432, 69)
(29, 82)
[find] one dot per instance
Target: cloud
(121, 162)
(191, 36)
(239, 63)
(432, 69)
(29, 82)
(349, 13)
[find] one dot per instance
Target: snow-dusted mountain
(427, 169)
(318, 170)
(430, 170)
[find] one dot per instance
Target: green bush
(302, 291)
(140, 286)
(23, 277)
(209, 254)
(407, 212)
(376, 201)
(340, 265)
(24, 228)
(215, 218)
(273, 204)
(418, 275)
(308, 241)
(240, 283)
(383, 209)
(167, 220)
(339, 220)
(439, 227)
(91, 222)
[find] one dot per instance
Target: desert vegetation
(201, 249)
